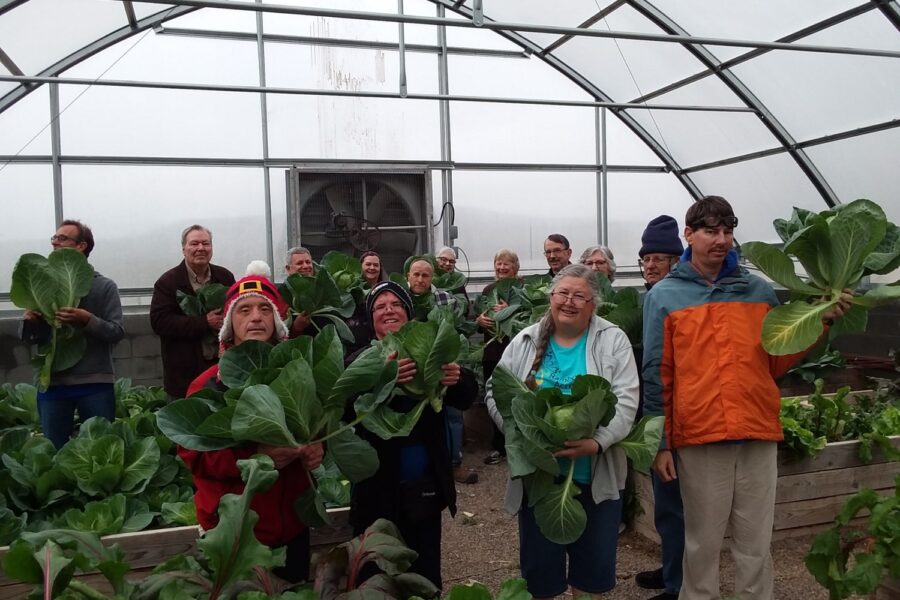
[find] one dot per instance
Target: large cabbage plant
(837, 248)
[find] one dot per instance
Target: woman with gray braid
(570, 340)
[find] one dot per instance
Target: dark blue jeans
(455, 420)
(668, 515)
(57, 409)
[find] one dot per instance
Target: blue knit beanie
(661, 237)
(395, 289)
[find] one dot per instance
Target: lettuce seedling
(837, 248)
(45, 285)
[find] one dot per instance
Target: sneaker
(494, 458)
(460, 475)
(650, 580)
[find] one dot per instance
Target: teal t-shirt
(558, 370)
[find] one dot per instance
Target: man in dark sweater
(88, 385)
(188, 342)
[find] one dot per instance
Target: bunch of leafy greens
(810, 423)
(431, 344)
(320, 297)
(339, 571)
(622, 307)
(344, 269)
(846, 560)
(134, 400)
(526, 299)
(289, 395)
(108, 479)
(45, 285)
(836, 248)
(18, 406)
(817, 363)
(208, 298)
(538, 423)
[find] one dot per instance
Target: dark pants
(296, 564)
(668, 516)
(423, 536)
(58, 414)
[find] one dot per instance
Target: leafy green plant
(837, 248)
(430, 344)
(538, 423)
(511, 589)
(291, 394)
(208, 298)
(320, 296)
(846, 560)
(344, 269)
(817, 363)
(339, 571)
(18, 406)
(809, 423)
(622, 307)
(44, 285)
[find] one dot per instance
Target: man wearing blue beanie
(660, 249)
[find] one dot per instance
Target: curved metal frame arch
(670, 164)
(806, 165)
(93, 48)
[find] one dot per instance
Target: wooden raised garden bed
(144, 550)
(810, 492)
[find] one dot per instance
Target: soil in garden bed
(484, 546)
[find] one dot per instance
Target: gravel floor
(481, 544)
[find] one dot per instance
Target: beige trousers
(724, 484)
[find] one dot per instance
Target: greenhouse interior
(482, 141)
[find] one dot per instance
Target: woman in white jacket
(570, 340)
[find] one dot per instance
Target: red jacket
(216, 474)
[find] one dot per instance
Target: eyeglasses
(60, 238)
(656, 260)
(591, 263)
(555, 251)
(449, 261)
(730, 222)
(197, 244)
(577, 299)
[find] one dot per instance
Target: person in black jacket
(414, 481)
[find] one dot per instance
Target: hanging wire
(80, 94)
(634, 81)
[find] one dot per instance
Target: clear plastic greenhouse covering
(582, 117)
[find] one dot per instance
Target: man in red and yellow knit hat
(253, 311)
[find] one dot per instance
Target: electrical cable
(80, 94)
(443, 210)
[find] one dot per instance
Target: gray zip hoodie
(609, 355)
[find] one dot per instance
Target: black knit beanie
(394, 288)
(661, 237)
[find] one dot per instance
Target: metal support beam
(6, 5)
(55, 149)
(832, 137)
(890, 10)
(445, 132)
(743, 93)
(10, 65)
(264, 127)
(91, 49)
(337, 42)
(594, 19)
(252, 89)
(602, 169)
(733, 62)
(129, 13)
(402, 58)
(679, 38)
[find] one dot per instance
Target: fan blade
(402, 241)
(340, 198)
(378, 203)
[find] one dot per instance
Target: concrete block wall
(136, 356)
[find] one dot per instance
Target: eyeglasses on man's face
(656, 259)
(577, 300)
(555, 251)
(446, 261)
(61, 238)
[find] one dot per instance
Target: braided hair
(547, 326)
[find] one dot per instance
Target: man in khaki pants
(705, 369)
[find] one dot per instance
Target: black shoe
(664, 596)
(651, 580)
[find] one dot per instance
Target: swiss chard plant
(44, 285)
(538, 423)
(853, 560)
(837, 248)
(320, 298)
(291, 394)
(809, 423)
